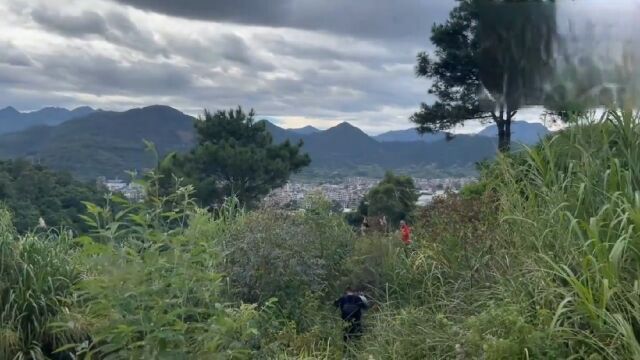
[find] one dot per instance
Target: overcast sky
(298, 62)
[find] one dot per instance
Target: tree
(491, 58)
(394, 197)
(235, 155)
(32, 192)
(587, 76)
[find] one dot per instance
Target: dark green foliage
(394, 197)
(492, 57)
(235, 155)
(32, 191)
(155, 289)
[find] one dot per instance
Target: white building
(131, 191)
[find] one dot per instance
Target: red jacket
(406, 234)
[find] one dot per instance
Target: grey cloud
(122, 31)
(101, 75)
(11, 55)
(88, 22)
(77, 70)
(33, 100)
(279, 73)
(362, 18)
(114, 27)
(218, 50)
(117, 28)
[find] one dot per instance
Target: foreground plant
(37, 276)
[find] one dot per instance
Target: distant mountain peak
(309, 127)
(408, 135)
(345, 127)
(83, 108)
(52, 108)
(345, 124)
(306, 130)
(524, 132)
(9, 109)
(158, 109)
(11, 120)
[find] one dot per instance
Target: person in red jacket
(405, 231)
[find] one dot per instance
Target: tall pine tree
(235, 156)
(491, 58)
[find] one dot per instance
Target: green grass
(538, 261)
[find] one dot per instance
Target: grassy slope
(539, 261)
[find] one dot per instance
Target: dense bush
(285, 256)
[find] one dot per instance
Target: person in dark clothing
(351, 306)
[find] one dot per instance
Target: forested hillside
(103, 143)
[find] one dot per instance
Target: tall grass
(576, 199)
(539, 261)
(37, 276)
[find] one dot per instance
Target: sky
(297, 62)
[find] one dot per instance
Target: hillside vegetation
(539, 260)
(32, 192)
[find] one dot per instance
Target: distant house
(115, 185)
(426, 198)
(131, 191)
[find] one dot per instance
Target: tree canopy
(32, 192)
(235, 155)
(491, 58)
(394, 197)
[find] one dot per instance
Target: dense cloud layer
(298, 62)
(363, 18)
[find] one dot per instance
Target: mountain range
(307, 130)
(521, 132)
(106, 143)
(12, 120)
(103, 142)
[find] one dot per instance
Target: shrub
(282, 255)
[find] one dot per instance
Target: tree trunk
(507, 134)
(504, 137)
(504, 131)
(503, 122)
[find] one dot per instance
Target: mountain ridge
(12, 120)
(106, 143)
(305, 130)
(524, 132)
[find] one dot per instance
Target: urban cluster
(130, 190)
(351, 191)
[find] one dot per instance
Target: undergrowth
(539, 260)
